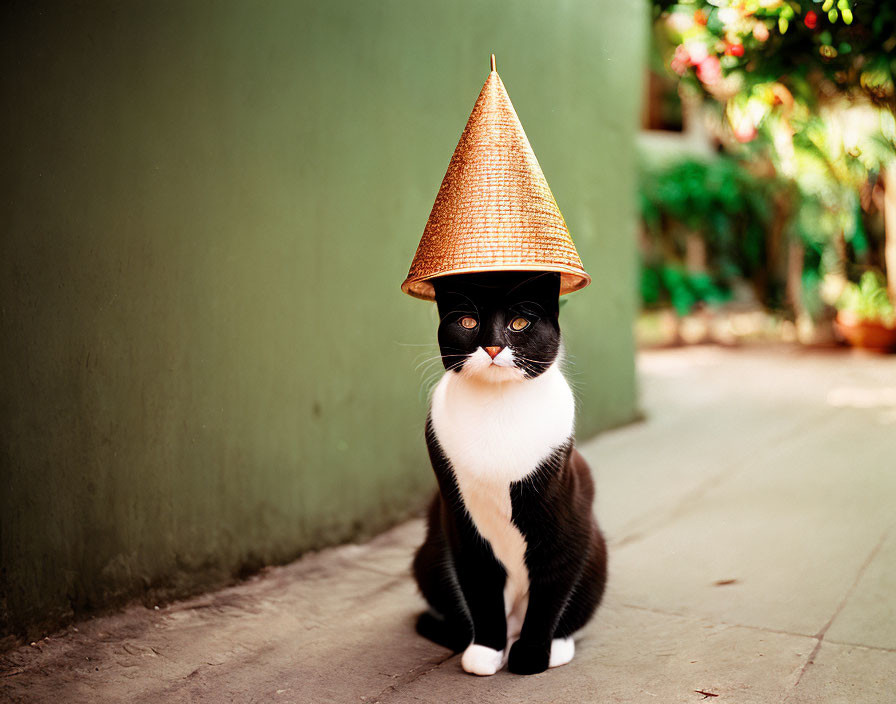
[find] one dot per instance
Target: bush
(723, 204)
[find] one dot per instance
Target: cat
(513, 562)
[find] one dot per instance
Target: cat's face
(499, 326)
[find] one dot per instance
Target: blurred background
(763, 170)
(207, 363)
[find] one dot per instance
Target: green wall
(207, 209)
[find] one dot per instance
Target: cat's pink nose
(493, 351)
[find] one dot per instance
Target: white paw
(481, 660)
(562, 650)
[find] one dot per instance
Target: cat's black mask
(499, 326)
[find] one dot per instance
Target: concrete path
(753, 559)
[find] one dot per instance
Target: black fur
(455, 568)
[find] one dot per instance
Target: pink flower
(709, 71)
(760, 31)
(681, 60)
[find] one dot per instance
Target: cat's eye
(468, 322)
(518, 324)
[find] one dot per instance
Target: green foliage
(868, 300)
(683, 289)
(723, 204)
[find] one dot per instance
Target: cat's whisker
(428, 360)
(432, 377)
(432, 373)
(438, 357)
(517, 355)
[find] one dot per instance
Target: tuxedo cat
(513, 562)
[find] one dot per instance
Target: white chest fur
(494, 434)
(501, 432)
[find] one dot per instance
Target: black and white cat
(513, 562)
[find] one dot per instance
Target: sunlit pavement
(752, 560)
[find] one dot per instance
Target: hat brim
(570, 279)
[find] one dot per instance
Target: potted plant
(866, 317)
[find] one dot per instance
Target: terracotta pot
(866, 334)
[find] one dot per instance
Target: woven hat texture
(494, 210)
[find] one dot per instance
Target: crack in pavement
(849, 592)
(727, 624)
(410, 677)
(762, 629)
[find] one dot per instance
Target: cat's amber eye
(518, 324)
(468, 322)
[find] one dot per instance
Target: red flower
(811, 20)
(735, 50)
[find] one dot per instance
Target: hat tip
(493, 63)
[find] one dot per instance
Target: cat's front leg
(531, 654)
(482, 580)
(529, 657)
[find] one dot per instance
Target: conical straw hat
(494, 210)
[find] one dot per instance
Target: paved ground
(753, 560)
